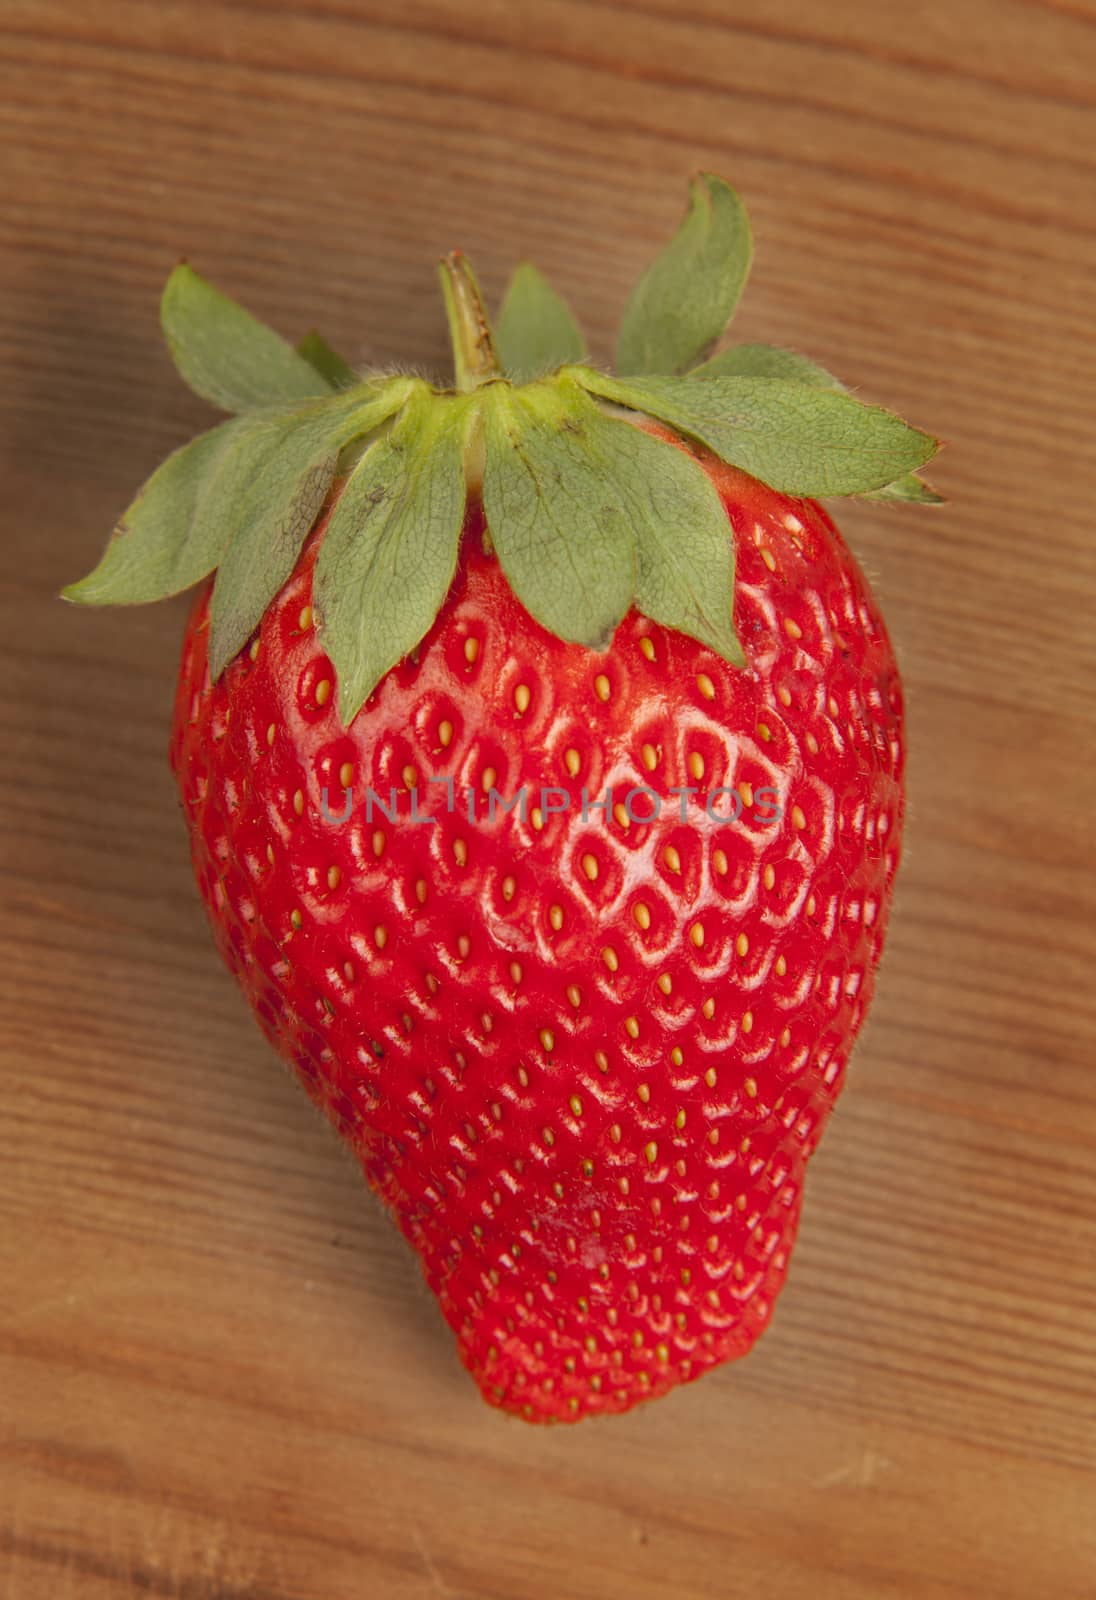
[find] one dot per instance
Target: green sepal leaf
(226, 355)
(327, 362)
(684, 301)
(390, 549)
(684, 540)
(795, 438)
(269, 491)
(535, 332)
(769, 361)
(909, 489)
(766, 361)
(559, 526)
(161, 545)
(589, 515)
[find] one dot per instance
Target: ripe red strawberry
(568, 924)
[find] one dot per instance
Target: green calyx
(588, 515)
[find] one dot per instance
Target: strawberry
(540, 744)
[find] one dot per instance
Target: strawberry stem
(474, 359)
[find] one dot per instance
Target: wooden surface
(220, 1376)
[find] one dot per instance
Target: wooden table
(221, 1377)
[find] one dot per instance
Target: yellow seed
(707, 1010)
(589, 866)
(650, 757)
(609, 956)
(710, 1078)
(745, 791)
(420, 891)
(781, 966)
(323, 691)
(346, 774)
(295, 918)
(489, 778)
(460, 852)
(764, 731)
(812, 905)
(445, 732)
(348, 972)
(784, 696)
(719, 862)
(747, 1022)
(665, 983)
(555, 917)
(696, 766)
(572, 761)
(574, 994)
(410, 777)
(644, 1093)
(602, 687)
(672, 858)
(576, 1105)
(536, 816)
(647, 645)
(750, 1087)
(549, 1137)
(523, 1077)
(785, 1038)
(768, 877)
(547, 1039)
(515, 971)
(631, 1027)
(298, 802)
(768, 558)
(620, 816)
(379, 842)
(333, 877)
(509, 888)
(380, 936)
(705, 685)
(696, 934)
(254, 651)
(677, 1055)
(742, 945)
(270, 732)
(304, 621)
(811, 743)
(471, 650)
(522, 698)
(798, 819)
(792, 628)
(616, 1133)
(832, 707)
(642, 915)
(651, 1152)
(601, 1061)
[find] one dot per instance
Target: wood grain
(221, 1377)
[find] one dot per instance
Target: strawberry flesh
(583, 1062)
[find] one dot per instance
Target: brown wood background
(220, 1378)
